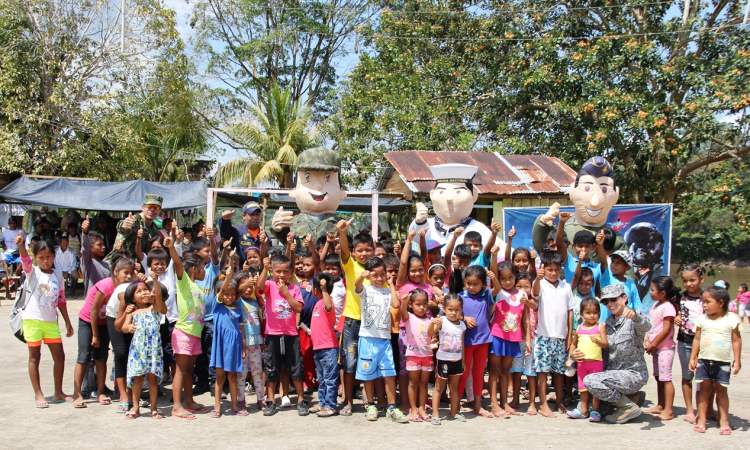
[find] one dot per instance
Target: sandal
(436, 421)
(595, 416)
(80, 405)
(726, 431)
(132, 415)
(457, 418)
(690, 418)
(184, 416)
(485, 414)
(501, 414)
(122, 408)
(576, 414)
(104, 401)
(426, 417)
(699, 428)
(346, 411)
(199, 410)
(215, 414)
(157, 414)
(41, 404)
(416, 419)
(238, 412)
(67, 399)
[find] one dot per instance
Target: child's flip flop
(215, 414)
(80, 405)
(726, 431)
(436, 421)
(41, 404)
(457, 418)
(184, 416)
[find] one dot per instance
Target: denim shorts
(717, 371)
(86, 351)
(348, 351)
(683, 352)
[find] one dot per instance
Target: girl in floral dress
(145, 360)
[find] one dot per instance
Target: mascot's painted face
(317, 192)
(593, 198)
(453, 202)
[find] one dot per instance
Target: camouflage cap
(319, 158)
(152, 199)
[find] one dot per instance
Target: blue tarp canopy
(101, 195)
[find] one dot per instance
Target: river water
(732, 275)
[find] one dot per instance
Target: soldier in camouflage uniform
(128, 227)
(318, 193)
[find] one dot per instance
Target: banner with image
(647, 230)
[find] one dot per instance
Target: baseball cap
(584, 237)
(432, 244)
(624, 255)
(250, 207)
(612, 292)
(12, 220)
(38, 223)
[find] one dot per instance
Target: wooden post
(213, 206)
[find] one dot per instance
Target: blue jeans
(326, 363)
(205, 374)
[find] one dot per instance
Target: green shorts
(36, 331)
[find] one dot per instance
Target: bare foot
(546, 412)
(496, 409)
(561, 408)
(531, 410)
(654, 410)
(512, 411)
(664, 416)
(62, 397)
(514, 404)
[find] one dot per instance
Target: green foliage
(278, 132)
(509, 76)
(73, 104)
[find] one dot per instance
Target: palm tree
(275, 135)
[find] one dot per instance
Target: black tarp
(349, 204)
(103, 196)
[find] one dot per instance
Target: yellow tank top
(591, 351)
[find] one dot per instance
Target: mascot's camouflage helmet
(319, 158)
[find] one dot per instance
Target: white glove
(421, 213)
(549, 217)
(282, 219)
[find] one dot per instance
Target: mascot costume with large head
(318, 193)
(593, 196)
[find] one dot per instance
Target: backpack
(19, 305)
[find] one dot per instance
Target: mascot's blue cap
(596, 167)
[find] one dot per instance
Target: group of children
(346, 310)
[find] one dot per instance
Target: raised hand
(263, 237)
(179, 234)
(458, 231)
(293, 247)
(129, 309)
(411, 235)
(323, 284)
(454, 260)
(227, 243)
(365, 274)
(266, 262)
(18, 240)
(289, 237)
(495, 250)
(170, 240)
(152, 275)
(533, 254)
(495, 226)
(600, 237)
(210, 233)
(422, 231)
(139, 234)
(491, 275)
(246, 266)
(138, 266)
(308, 241)
(582, 255)
(331, 238)
(85, 225)
(549, 217)
(397, 248)
(227, 215)
(127, 224)
(343, 225)
(540, 272)
(565, 216)
(421, 213)
(512, 232)
(282, 219)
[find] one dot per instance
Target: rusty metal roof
(496, 175)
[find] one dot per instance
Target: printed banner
(647, 230)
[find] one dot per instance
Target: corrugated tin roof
(496, 175)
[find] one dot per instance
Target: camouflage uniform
(318, 159)
(128, 237)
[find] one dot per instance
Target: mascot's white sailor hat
(453, 173)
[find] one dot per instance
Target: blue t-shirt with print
(207, 284)
(481, 260)
(631, 290)
(570, 268)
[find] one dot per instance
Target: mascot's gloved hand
(282, 219)
(549, 217)
(421, 213)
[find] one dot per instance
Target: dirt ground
(62, 426)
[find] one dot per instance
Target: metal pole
(122, 26)
(375, 202)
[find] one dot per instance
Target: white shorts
(743, 312)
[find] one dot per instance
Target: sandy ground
(61, 426)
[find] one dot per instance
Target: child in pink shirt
(419, 361)
(325, 344)
(283, 302)
(660, 342)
